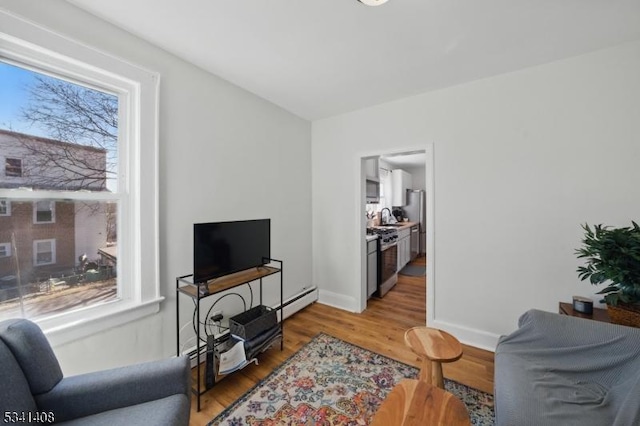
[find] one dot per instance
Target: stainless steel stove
(388, 235)
(387, 258)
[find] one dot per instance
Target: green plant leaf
(612, 255)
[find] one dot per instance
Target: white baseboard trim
(338, 300)
(469, 336)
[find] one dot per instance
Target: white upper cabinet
(372, 169)
(400, 182)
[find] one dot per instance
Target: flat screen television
(222, 248)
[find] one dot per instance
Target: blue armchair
(31, 381)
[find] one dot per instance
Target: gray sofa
(31, 381)
(560, 370)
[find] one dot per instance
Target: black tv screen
(222, 248)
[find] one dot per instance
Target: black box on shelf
(249, 324)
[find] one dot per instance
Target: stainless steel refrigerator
(416, 211)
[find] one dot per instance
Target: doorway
(419, 163)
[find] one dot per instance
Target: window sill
(60, 331)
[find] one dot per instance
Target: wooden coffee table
(414, 402)
(434, 347)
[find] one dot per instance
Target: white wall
(521, 160)
(225, 154)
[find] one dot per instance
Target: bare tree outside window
(60, 253)
(79, 116)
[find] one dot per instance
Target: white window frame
(52, 205)
(30, 45)
(7, 207)
(52, 242)
(6, 249)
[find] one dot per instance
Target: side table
(417, 403)
(598, 313)
(434, 347)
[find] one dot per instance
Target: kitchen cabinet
(372, 173)
(400, 182)
(404, 247)
(372, 169)
(372, 267)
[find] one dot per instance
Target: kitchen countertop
(371, 237)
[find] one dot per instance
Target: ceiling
(319, 58)
(407, 160)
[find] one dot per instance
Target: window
(44, 212)
(92, 191)
(44, 252)
(385, 189)
(5, 250)
(5, 208)
(13, 167)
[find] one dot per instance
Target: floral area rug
(332, 382)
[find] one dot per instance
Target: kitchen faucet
(382, 215)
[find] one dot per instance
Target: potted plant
(613, 257)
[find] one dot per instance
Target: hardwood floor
(379, 328)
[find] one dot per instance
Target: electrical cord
(250, 292)
(184, 345)
(205, 323)
(183, 327)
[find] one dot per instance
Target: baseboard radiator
(298, 301)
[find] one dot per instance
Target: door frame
(431, 229)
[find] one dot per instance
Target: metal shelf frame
(186, 287)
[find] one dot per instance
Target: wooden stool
(434, 347)
(414, 402)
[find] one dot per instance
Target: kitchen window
(385, 189)
(13, 167)
(5, 250)
(94, 196)
(44, 211)
(44, 252)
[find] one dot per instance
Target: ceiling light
(372, 2)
